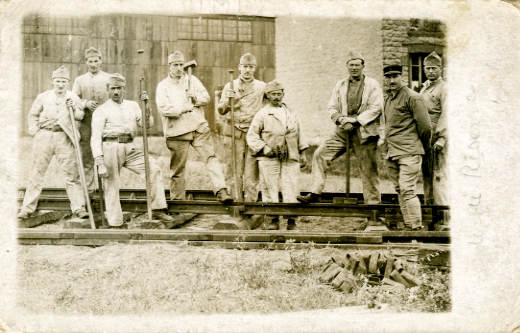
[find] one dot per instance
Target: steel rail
(218, 237)
(208, 195)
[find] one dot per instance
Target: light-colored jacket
(434, 94)
(371, 105)
(250, 100)
(267, 129)
(45, 110)
(172, 97)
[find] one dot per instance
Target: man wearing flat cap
(276, 137)
(91, 87)
(434, 165)
(248, 96)
(355, 106)
(405, 131)
(114, 125)
(180, 104)
(50, 124)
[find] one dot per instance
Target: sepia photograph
(259, 167)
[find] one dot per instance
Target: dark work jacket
(407, 124)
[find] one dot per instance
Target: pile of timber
(389, 273)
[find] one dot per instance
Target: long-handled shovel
(145, 143)
(238, 193)
(82, 178)
(101, 201)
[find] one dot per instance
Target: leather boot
(159, 214)
(291, 224)
(274, 225)
(309, 198)
(224, 196)
(414, 213)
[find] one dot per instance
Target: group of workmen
(267, 151)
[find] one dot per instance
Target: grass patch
(180, 279)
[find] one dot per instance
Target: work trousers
(435, 166)
(246, 167)
(85, 130)
(365, 154)
(404, 173)
(116, 156)
(47, 144)
(203, 145)
(275, 176)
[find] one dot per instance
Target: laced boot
(309, 198)
(291, 224)
(274, 224)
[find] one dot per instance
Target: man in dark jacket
(406, 130)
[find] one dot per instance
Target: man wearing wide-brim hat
(405, 131)
(248, 96)
(275, 137)
(434, 165)
(354, 106)
(50, 124)
(91, 87)
(114, 125)
(180, 99)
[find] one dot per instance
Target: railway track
(204, 202)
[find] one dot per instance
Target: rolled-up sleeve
(96, 140)
(253, 137)
(34, 115)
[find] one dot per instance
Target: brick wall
(310, 59)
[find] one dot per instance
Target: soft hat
(61, 73)
(176, 56)
(273, 86)
(433, 59)
(117, 80)
(92, 52)
(352, 55)
(248, 59)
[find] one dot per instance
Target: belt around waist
(120, 139)
(53, 129)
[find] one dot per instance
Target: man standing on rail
(248, 96)
(114, 126)
(50, 124)
(276, 137)
(355, 106)
(91, 87)
(434, 165)
(179, 100)
(406, 130)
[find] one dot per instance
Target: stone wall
(394, 34)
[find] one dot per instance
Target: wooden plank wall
(215, 42)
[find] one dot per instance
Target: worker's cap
(274, 85)
(117, 79)
(433, 59)
(92, 52)
(353, 55)
(393, 69)
(248, 59)
(176, 56)
(61, 73)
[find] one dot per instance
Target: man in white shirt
(114, 126)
